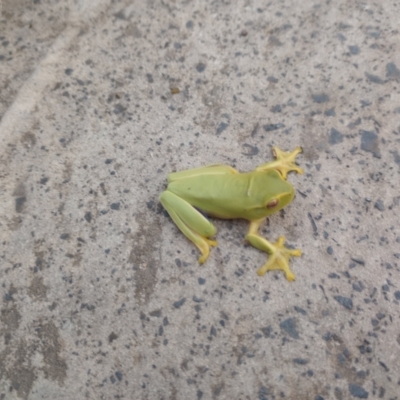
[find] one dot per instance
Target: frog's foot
(279, 259)
(286, 161)
(204, 246)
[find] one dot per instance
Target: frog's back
(229, 195)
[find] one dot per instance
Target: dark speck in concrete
(357, 287)
(118, 374)
(9, 297)
(112, 336)
(374, 78)
(319, 398)
(273, 127)
(396, 157)
(384, 366)
(263, 393)
(68, 71)
(221, 127)
(201, 281)
(355, 123)
(300, 310)
(358, 391)
(178, 262)
(179, 303)
(397, 295)
(358, 260)
(88, 216)
(267, 331)
(335, 136)
(274, 41)
(189, 24)
(329, 250)
(354, 50)
(327, 336)
(64, 236)
(344, 301)
(119, 109)
(320, 98)
(120, 15)
(392, 71)
(19, 204)
(150, 205)
(330, 113)
(313, 224)
(200, 67)
(289, 326)
(109, 161)
(300, 361)
(374, 34)
(380, 315)
(149, 78)
(115, 206)
(369, 142)
(156, 313)
(365, 103)
(379, 205)
(341, 358)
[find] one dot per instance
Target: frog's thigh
(191, 223)
(187, 215)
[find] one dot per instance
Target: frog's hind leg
(191, 222)
(279, 255)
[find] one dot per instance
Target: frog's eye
(273, 203)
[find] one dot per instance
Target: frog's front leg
(284, 163)
(279, 255)
(191, 222)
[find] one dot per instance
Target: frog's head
(279, 194)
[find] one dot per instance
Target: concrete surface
(101, 295)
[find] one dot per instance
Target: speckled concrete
(101, 295)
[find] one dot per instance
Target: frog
(221, 191)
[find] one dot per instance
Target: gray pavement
(101, 295)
